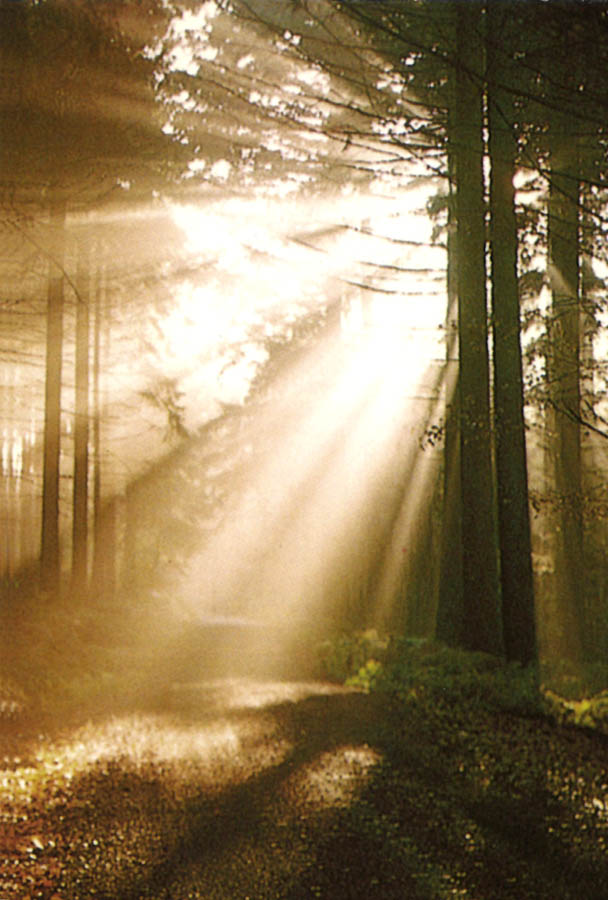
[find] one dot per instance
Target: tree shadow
(445, 808)
(157, 840)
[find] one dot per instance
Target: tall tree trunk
(564, 380)
(481, 589)
(50, 562)
(104, 522)
(517, 587)
(449, 622)
(96, 436)
(594, 637)
(81, 426)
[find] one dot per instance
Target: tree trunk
(81, 426)
(481, 590)
(449, 623)
(564, 385)
(50, 562)
(594, 637)
(104, 522)
(516, 577)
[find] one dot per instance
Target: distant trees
(52, 399)
(78, 117)
(82, 341)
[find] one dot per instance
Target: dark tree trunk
(516, 576)
(481, 589)
(449, 625)
(81, 427)
(50, 562)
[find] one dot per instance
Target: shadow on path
(268, 791)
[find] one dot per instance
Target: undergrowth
(54, 665)
(417, 668)
(425, 671)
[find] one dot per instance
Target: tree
(517, 588)
(450, 617)
(81, 423)
(104, 509)
(387, 90)
(50, 547)
(412, 46)
(564, 381)
(481, 591)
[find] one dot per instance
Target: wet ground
(239, 789)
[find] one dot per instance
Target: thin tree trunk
(516, 576)
(97, 402)
(104, 554)
(481, 589)
(50, 562)
(81, 426)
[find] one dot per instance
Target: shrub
(439, 673)
(342, 658)
(367, 677)
(419, 669)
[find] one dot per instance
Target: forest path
(239, 789)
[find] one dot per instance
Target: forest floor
(239, 789)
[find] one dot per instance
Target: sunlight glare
(331, 452)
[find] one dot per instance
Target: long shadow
(431, 824)
(454, 808)
(497, 831)
(214, 821)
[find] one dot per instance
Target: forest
(304, 448)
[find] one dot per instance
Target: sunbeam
(329, 454)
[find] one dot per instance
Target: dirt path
(238, 789)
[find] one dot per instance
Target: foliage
(588, 712)
(353, 658)
(62, 662)
(429, 671)
(65, 61)
(433, 435)
(422, 670)
(167, 398)
(576, 694)
(367, 677)
(431, 674)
